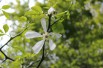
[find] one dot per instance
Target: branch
(49, 24)
(58, 19)
(12, 38)
(32, 63)
(6, 57)
(42, 56)
(63, 15)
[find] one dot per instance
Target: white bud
(51, 10)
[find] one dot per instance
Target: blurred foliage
(80, 23)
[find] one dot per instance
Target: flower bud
(51, 11)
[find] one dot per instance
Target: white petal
(58, 35)
(38, 46)
(32, 34)
(51, 10)
(43, 23)
(51, 44)
(55, 35)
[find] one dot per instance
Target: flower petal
(38, 46)
(43, 23)
(51, 44)
(58, 35)
(32, 34)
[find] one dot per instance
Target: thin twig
(12, 38)
(58, 19)
(42, 56)
(63, 15)
(6, 57)
(32, 63)
(49, 24)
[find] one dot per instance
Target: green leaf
(6, 14)
(6, 28)
(60, 26)
(22, 19)
(37, 9)
(1, 34)
(1, 31)
(5, 7)
(60, 14)
(63, 13)
(32, 12)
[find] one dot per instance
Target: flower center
(45, 35)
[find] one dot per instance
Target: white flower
(38, 46)
(51, 10)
